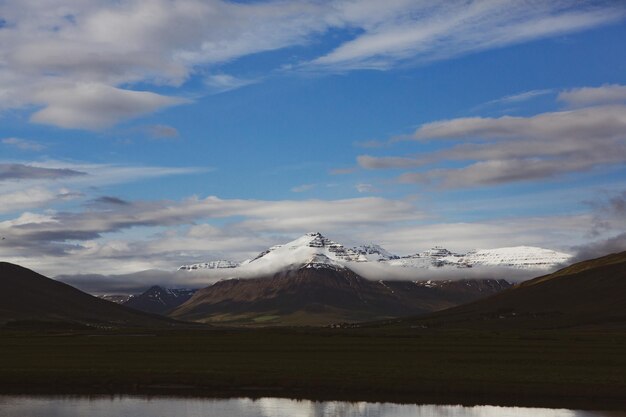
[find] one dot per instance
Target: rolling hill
(586, 294)
(29, 297)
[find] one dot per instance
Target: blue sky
(146, 134)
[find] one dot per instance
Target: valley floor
(547, 368)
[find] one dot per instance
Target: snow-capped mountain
(220, 264)
(313, 250)
(436, 257)
(517, 257)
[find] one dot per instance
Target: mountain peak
(312, 250)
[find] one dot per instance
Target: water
(129, 406)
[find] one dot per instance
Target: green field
(568, 369)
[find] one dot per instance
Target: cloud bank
(511, 149)
(89, 65)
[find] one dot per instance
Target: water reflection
(125, 406)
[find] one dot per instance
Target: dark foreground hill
(590, 293)
(320, 296)
(27, 297)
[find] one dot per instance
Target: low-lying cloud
(138, 282)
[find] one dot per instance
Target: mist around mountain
(323, 296)
(370, 261)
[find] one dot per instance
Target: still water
(128, 406)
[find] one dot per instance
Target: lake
(135, 406)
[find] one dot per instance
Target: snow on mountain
(374, 252)
(436, 257)
(210, 265)
(313, 250)
(520, 257)
(116, 298)
(517, 257)
(309, 251)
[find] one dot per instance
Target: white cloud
(30, 198)
(96, 106)
(427, 31)
(604, 122)
(224, 82)
(606, 94)
(28, 186)
(516, 98)
(23, 144)
(511, 149)
(81, 60)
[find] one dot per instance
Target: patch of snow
(210, 265)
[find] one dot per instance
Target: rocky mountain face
(159, 300)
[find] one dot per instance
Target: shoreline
(573, 401)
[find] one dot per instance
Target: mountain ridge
(304, 249)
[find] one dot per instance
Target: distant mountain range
(311, 281)
(321, 291)
(316, 249)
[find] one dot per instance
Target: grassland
(543, 368)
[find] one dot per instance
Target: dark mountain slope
(159, 300)
(28, 296)
(589, 293)
(318, 296)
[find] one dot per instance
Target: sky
(146, 134)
